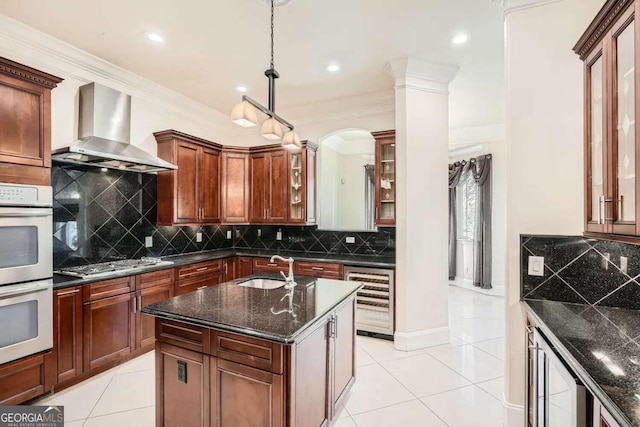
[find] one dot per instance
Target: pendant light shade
(244, 114)
(271, 130)
(291, 140)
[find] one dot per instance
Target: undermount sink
(262, 283)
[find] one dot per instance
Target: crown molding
(511, 6)
(415, 74)
(603, 21)
(34, 48)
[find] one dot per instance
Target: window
(467, 196)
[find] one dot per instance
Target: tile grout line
(101, 394)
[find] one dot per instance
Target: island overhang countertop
(254, 312)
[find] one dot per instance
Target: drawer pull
(317, 268)
(272, 264)
(69, 293)
(202, 269)
(203, 287)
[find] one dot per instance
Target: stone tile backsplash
(105, 215)
(579, 270)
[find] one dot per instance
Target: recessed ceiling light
(333, 67)
(154, 37)
(241, 88)
(461, 38)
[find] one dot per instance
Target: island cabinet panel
(310, 385)
(236, 188)
(183, 375)
(249, 351)
(184, 335)
(109, 330)
(242, 396)
(67, 330)
(343, 343)
(25, 124)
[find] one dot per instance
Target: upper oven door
(26, 248)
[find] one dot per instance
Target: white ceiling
(213, 45)
(350, 141)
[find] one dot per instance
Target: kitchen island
(232, 355)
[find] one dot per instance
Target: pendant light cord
(272, 16)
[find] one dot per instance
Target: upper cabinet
(385, 178)
(189, 195)
(25, 124)
(301, 169)
(236, 188)
(609, 51)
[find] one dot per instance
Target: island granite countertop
(61, 281)
(589, 339)
(252, 312)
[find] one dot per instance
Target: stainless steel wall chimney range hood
(104, 130)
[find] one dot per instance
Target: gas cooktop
(107, 268)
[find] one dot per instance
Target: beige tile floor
(456, 385)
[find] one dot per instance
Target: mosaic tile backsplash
(585, 271)
(101, 216)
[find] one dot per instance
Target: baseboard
(408, 341)
(513, 415)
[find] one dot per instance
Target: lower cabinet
(601, 417)
(343, 347)
(26, 378)
(109, 332)
(145, 324)
(244, 396)
(244, 267)
(185, 286)
(67, 333)
(228, 269)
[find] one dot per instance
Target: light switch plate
(259, 232)
(198, 237)
(148, 241)
(536, 266)
(350, 239)
(624, 264)
(228, 234)
(279, 235)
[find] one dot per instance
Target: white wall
(327, 187)
(544, 149)
(350, 212)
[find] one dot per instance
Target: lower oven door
(26, 236)
(26, 319)
(561, 397)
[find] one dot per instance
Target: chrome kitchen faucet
(290, 281)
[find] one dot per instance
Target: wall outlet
(259, 232)
(624, 264)
(198, 237)
(228, 234)
(536, 266)
(237, 233)
(350, 239)
(605, 260)
(279, 235)
(148, 242)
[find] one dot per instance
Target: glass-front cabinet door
(596, 147)
(624, 135)
(385, 175)
(296, 187)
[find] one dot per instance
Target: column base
(408, 341)
(513, 415)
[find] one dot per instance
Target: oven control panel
(25, 195)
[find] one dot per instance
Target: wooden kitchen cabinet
(602, 417)
(67, 332)
(198, 276)
(302, 184)
(385, 178)
(236, 188)
(228, 269)
(343, 346)
(612, 140)
(244, 267)
(109, 312)
(320, 270)
(264, 265)
(25, 124)
(191, 194)
(150, 288)
(27, 378)
(269, 186)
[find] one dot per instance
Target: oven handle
(26, 213)
(12, 291)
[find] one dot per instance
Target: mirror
(346, 194)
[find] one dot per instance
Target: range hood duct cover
(104, 130)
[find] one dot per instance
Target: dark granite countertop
(590, 339)
(62, 281)
(250, 311)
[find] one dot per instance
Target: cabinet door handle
(620, 203)
(68, 293)
(202, 287)
(272, 265)
(202, 269)
(135, 305)
(335, 326)
(376, 214)
(226, 267)
(317, 268)
(140, 302)
(601, 210)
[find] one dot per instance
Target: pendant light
(245, 113)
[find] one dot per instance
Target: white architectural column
(422, 140)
